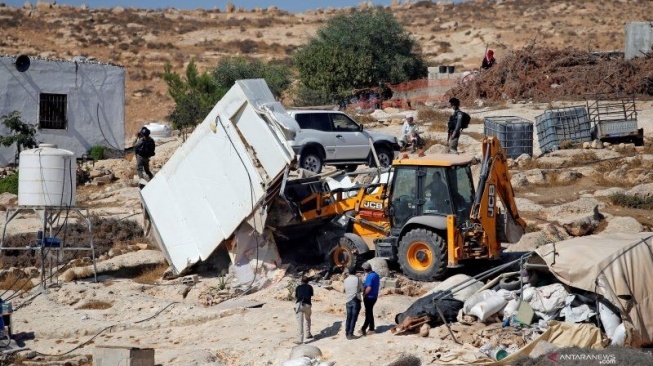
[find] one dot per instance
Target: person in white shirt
(410, 133)
(353, 289)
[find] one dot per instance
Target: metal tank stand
(47, 240)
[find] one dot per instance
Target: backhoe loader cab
(437, 188)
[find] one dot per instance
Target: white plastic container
(158, 130)
(47, 177)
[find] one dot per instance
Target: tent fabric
(617, 266)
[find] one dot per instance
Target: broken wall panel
(221, 176)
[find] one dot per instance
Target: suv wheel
(385, 156)
(311, 161)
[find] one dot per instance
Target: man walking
(454, 126)
(370, 294)
(303, 294)
(144, 149)
(353, 290)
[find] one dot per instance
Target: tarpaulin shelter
(617, 266)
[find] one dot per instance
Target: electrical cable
(101, 131)
(9, 287)
(78, 346)
(105, 329)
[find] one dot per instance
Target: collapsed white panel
(219, 177)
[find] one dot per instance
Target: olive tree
(21, 133)
(228, 70)
(197, 93)
(194, 96)
(357, 50)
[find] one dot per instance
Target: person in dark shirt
(454, 126)
(488, 60)
(370, 294)
(303, 295)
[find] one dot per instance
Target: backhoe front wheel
(344, 255)
(423, 255)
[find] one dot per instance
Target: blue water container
(570, 124)
(514, 133)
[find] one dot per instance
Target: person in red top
(489, 60)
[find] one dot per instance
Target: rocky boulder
(528, 177)
(526, 205)
(531, 241)
(608, 192)
(582, 225)
(642, 190)
(622, 224)
(567, 176)
(583, 206)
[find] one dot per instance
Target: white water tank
(158, 130)
(47, 177)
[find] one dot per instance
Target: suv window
(314, 121)
(343, 123)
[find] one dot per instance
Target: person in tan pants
(303, 295)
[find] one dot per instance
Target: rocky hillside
(144, 40)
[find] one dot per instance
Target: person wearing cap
(488, 60)
(370, 294)
(303, 295)
(353, 287)
(144, 149)
(410, 133)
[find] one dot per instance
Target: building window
(52, 111)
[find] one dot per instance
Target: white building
(74, 104)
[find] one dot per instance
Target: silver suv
(332, 137)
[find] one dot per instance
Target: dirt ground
(255, 329)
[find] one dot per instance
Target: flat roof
(76, 59)
(437, 160)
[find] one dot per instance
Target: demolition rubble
(573, 287)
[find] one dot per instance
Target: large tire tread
(350, 249)
(438, 247)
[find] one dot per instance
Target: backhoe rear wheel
(344, 255)
(423, 255)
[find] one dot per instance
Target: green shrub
(97, 152)
(9, 184)
(626, 200)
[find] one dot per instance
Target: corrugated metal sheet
(222, 175)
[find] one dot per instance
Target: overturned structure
(225, 175)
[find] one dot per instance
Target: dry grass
(475, 135)
(151, 275)
(584, 158)
(601, 181)
(437, 119)
(95, 305)
(428, 142)
(609, 165)
(12, 282)
(363, 119)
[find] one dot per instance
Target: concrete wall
(639, 38)
(95, 97)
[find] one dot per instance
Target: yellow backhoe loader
(426, 214)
